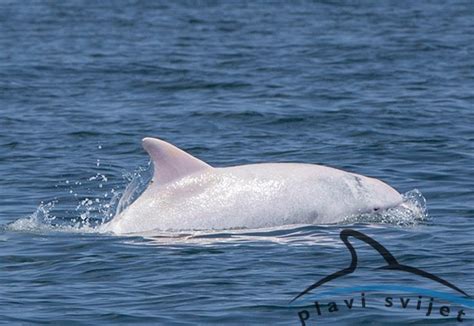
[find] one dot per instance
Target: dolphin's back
(249, 196)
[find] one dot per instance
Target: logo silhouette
(392, 264)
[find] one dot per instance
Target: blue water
(381, 89)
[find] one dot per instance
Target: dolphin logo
(392, 264)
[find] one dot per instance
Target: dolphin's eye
(376, 209)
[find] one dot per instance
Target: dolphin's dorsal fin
(171, 163)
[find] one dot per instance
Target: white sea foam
(412, 211)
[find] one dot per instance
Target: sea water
(381, 89)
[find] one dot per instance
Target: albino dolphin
(186, 193)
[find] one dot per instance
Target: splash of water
(412, 211)
(40, 220)
(90, 211)
(137, 182)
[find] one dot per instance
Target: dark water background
(382, 89)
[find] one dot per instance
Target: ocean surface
(384, 89)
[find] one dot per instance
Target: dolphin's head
(374, 195)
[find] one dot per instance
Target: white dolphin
(185, 193)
